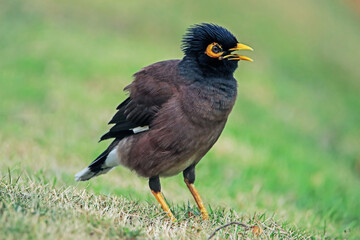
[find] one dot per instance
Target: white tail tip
(84, 175)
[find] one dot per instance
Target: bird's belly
(174, 170)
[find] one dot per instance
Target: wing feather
(151, 88)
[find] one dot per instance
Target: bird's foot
(199, 202)
(204, 214)
(164, 206)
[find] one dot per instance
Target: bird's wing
(151, 88)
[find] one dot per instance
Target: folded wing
(150, 89)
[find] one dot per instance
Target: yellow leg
(198, 200)
(163, 204)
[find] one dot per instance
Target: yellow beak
(236, 56)
(240, 46)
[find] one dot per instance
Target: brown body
(167, 148)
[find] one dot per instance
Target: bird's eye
(214, 50)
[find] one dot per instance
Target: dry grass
(33, 208)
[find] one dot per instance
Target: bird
(175, 112)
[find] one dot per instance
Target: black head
(212, 46)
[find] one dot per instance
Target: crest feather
(199, 36)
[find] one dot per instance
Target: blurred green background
(292, 143)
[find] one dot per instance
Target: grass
(290, 148)
(32, 208)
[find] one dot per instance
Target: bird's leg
(189, 178)
(154, 184)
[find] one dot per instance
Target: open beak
(236, 56)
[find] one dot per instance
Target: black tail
(97, 167)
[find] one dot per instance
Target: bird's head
(212, 46)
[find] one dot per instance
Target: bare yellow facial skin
(214, 50)
(235, 56)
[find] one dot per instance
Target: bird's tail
(101, 165)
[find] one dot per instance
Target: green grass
(32, 208)
(290, 148)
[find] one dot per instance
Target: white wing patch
(140, 129)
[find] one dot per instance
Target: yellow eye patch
(214, 50)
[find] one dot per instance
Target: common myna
(175, 112)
